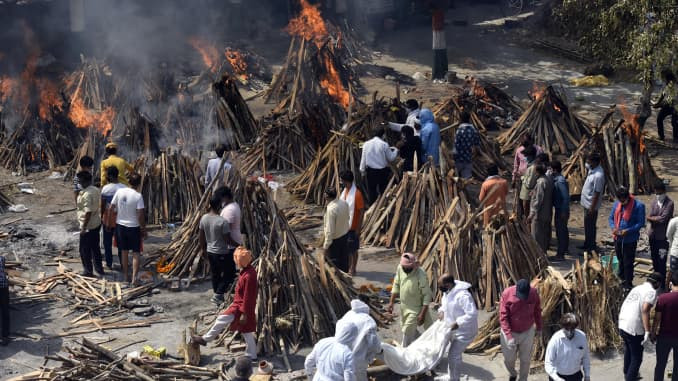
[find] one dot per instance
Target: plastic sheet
(423, 354)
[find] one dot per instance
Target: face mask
(588, 166)
(549, 172)
(661, 197)
(569, 333)
(407, 270)
(444, 289)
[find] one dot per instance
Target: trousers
(590, 230)
(664, 347)
(410, 334)
(221, 323)
(633, 354)
(560, 221)
(4, 312)
(377, 180)
(90, 254)
(664, 112)
(108, 247)
(223, 271)
(658, 252)
(572, 377)
(457, 347)
(464, 170)
(522, 351)
(338, 252)
(541, 231)
(626, 254)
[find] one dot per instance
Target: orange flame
(309, 25)
(82, 117)
(50, 100)
(332, 83)
(7, 87)
(538, 91)
(632, 127)
(208, 52)
(237, 61)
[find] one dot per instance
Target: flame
(538, 91)
(209, 53)
(309, 25)
(237, 61)
(82, 117)
(555, 107)
(7, 88)
(632, 127)
(49, 98)
(332, 83)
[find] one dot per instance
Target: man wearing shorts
(130, 224)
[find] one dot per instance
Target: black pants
(664, 347)
(440, 64)
(560, 221)
(377, 180)
(590, 230)
(664, 112)
(626, 254)
(4, 312)
(338, 252)
(633, 354)
(659, 263)
(90, 254)
(579, 376)
(222, 267)
(108, 247)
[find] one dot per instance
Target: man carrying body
(332, 358)
(366, 344)
(520, 320)
(335, 228)
(567, 353)
(412, 286)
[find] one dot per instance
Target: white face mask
(588, 166)
(569, 333)
(661, 197)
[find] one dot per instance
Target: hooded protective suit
(366, 344)
(458, 307)
(430, 135)
(332, 358)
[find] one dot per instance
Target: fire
(555, 107)
(538, 91)
(237, 61)
(49, 98)
(309, 24)
(7, 88)
(632, 127)
(209, 53)
(332, 83)
(82, 117)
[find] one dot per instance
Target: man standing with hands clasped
(626, 219)
(520, 319)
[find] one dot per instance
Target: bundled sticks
(624, 157)
(550, 122)
(237, 125)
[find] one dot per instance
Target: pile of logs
(171, 186)
(624, 157)
(448, 113)
(589, 290)
(91, 361)
(550, 122)
(491, 259)
(406, 214)
(237, 126)
(495, 108)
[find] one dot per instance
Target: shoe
(101, 273)
(217, 299)
(513, 378)
(557, 258)
(86, 274)
(196, 339)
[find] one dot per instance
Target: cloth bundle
(423, 354)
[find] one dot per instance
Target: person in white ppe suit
(459, 310)
(332, 358)
(366, 344)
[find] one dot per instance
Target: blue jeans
(108, 248)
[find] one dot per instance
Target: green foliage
(623, 33)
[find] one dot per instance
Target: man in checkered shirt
(4, 304)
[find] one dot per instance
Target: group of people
(117, 206)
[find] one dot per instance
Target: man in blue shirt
(430, 136)
(4, 304)
(561, 206)
(626, 219)
(465, 142)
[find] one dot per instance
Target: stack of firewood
(624, 157)
(171, 186)
(589, 290)
(550, 122)
(237, 126)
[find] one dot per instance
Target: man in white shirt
(232, 214)
(213, 168)
(567, 353)
(332, 358)
(459, 311)
(672, 236)
(366, 344)
(335, 229)
(591, 196)
(412, 108)
(634, 322)
(130, 224)
(107, 193)
(374, 161)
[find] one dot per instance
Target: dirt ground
(492, 53)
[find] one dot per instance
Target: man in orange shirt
(356, 208)
(493, 194)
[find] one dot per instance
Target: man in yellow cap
(113, 160)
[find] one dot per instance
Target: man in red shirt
(665, 330)
(356, 208)
(520, 319)
(240, 315)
